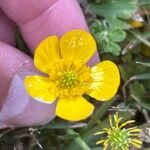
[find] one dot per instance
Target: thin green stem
(144, 76)
(101, 111)
(135, 42)
(140, 38)
(99, 122)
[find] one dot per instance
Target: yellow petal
(40, 88)
(74, 109)
(46, 54)
(77, 45)
(106, 79)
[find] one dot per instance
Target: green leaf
(112, 47)
(78, 142)
(117, 23)
(71, 136)
(96, 27)
(117, 35)
(138, 88)
(144, 76)
(144, 3)
(57, 124)
(137, 93)
(114, 10)
(103, 36)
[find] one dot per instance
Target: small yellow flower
(136, 24)
(68, 76)
(137, 21)
(119, 137)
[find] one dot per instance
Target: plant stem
(101, 111)
(135, 42)
(140, 38)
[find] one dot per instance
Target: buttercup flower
(69, 78)
(119, 137)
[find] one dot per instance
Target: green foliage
(110, 31)
(144, 3)
(115, 10)
(138, 94)
(108, 39)
(60, 124)
(117, 35)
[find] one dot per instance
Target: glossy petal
(77, 45)
(46, 54)
(106, 79)
(74, 109)
(40, 88)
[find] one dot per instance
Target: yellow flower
(136, 24)
(68, 76)
(119, 137)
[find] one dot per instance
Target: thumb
(17, 108)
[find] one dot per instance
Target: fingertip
(11, 60)
(7, 29)
(25, 10)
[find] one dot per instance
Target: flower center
(119, 137)
(71, 79)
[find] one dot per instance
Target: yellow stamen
(72, 79)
